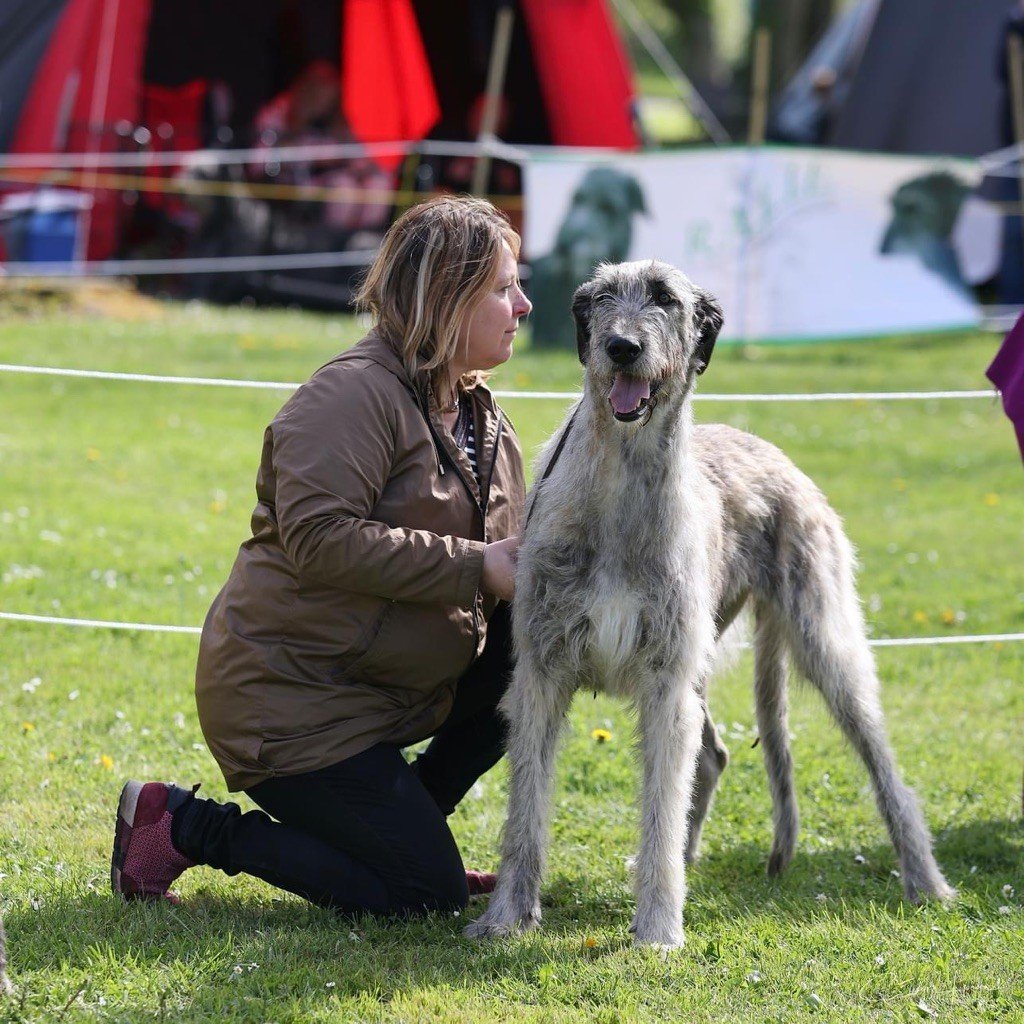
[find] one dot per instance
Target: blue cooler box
(42, 227)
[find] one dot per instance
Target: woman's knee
(440, 891)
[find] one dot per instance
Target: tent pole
(97, 111)
(1015, 62)
(759, 87)
(671, 69)
(500, 45)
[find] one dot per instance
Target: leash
(561, 445)
(551, 465)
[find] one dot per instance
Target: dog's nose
(623, 351)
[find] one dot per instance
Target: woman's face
(486, 340)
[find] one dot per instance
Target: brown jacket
(355, 607)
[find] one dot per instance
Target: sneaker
(145, 862)
(481, 882)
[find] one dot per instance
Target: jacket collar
(486, 414)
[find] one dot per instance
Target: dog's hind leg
(830, 648)
(711, 762)
(534, 707)
(771, 707)
(671, 715)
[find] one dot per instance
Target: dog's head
(644, 332)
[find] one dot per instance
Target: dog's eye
(664, 298)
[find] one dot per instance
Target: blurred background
(788, 153)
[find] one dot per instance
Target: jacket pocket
(348, 667)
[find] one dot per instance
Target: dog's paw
(937, 890)
(493, 924)
(661, 935)
(664, 944)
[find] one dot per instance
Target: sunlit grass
(127, 502)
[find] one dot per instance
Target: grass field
(125, 501)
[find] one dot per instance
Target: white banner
(795, 243)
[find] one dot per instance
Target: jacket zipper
(481, 506)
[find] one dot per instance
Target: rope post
(759, 87)
(500, 46)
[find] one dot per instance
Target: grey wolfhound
(645, 536)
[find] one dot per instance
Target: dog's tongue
(627, 393)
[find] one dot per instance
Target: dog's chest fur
(607, 581)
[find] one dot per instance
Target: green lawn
(125, 501)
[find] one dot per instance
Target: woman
(369, 609)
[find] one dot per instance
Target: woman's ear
(707, 322)
(581, 314)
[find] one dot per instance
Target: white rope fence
(154, 627)
(149, 378)
(262, 154)
(567, 396)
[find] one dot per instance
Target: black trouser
(367, 835)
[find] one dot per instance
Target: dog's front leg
(671, 716)
(534, 707)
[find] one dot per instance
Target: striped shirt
(464, 434)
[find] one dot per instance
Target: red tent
(87, 74)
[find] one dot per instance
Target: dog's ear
(707, 320)
(635, 196)
(581, 300)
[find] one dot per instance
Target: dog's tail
(771, 676)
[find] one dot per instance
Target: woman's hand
(499, 576)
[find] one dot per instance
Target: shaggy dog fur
(645, 536)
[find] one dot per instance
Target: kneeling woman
(369, 609)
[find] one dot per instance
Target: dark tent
(105, 76)
(902, 76)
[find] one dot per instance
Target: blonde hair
(436, 263)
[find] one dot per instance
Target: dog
(645, 536)
(598, 226)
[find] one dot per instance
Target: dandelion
(106, 761)
(920, 617)
(600, 735)
(991, 499)
(216, 507)
(51, 756)
(589, 942)
(948, 616)
(92, 454)
(1007, 890)
(1004, 910)
(27, 727)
